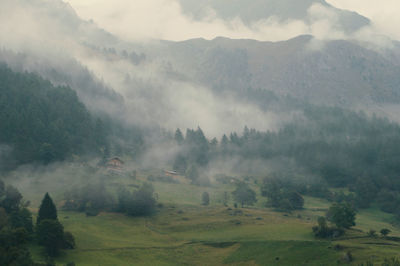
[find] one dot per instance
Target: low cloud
(164, 19)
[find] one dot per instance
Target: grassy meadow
(183, 232)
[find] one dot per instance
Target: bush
(205, 198)
(91, 199)
(372, 233)
(139, 203)
(322, 230)
(69, 241)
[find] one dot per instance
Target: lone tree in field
(47, 210)
(342, 215)
(384, 232)
(244, 194)
(205, 198)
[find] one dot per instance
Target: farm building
(115, 164)
(170, 173)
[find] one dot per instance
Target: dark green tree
(280, 196)
(47, 210)
(225, 198)
(244, 194)
(179, 136)
(3, 218)
(139, 203)
(12, 199)
(322, 229)
(193, 173)
(342, 215)
(180, 164)
(205, 199)
(22, 219)
(13, 250)
(50, 234)
(384, 232)
(296, 200)
(224, 144)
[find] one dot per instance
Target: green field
(183, 232)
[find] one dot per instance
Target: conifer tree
(179, 136)
(47, 210)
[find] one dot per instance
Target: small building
(170, 173)
(115, 164)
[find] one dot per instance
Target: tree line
(325, 146)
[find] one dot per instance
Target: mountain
(340, 72)
(153, 83)
(283, 10)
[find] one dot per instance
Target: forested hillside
(43, 123)
(321, 148)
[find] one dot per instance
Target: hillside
(43, 123)
(345, 73)
(198, 152)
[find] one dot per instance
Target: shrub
(372, 233)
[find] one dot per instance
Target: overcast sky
(164, 19)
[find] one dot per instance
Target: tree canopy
(342, 215)
(47, 210)
(244, 195)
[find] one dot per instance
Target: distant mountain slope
(255, 10)
(338, 72)
(155, 82)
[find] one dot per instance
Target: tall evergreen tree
(179, 136)
(47, 210)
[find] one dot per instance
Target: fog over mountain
(200, 82)
(181, 20)
(284, 10)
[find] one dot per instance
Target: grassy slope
(185, 233)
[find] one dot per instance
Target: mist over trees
(335, 147)
(260, 125)
(96, 197)
(339, 147)
(41, 123)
